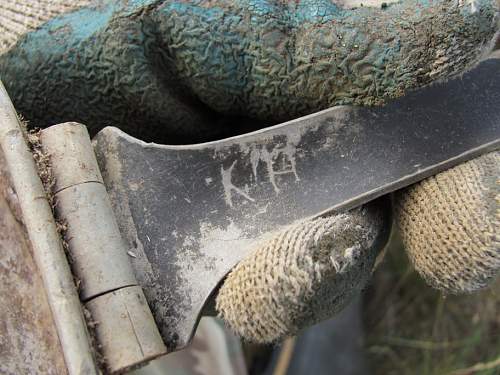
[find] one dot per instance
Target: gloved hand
(177, 69)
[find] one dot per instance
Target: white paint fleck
(262, 210)
(284, 156)
(202, 261)
(229, 187)
(351, 253)
(471, 3)
(188, 242)
(213, 235)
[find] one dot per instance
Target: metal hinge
(126, 332)
(125, 328)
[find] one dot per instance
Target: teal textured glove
(178, 66)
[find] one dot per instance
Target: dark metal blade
(191, 212)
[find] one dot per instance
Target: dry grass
(413, 329)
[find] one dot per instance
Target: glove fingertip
(450, 225)
(303, 275)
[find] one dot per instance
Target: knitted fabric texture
(450, 225)
(305, 274)
(17, 17)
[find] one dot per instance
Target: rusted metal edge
(46, 243)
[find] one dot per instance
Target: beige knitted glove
(449, 224)
(17, 17)
(307, 273)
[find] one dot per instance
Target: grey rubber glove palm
(175, 70)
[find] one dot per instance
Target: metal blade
(191, 212)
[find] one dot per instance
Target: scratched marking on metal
(278, 160)
(191, 212)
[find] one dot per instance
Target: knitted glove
(450, 225)
(306, 274)
(178, 66)
(17, 17)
